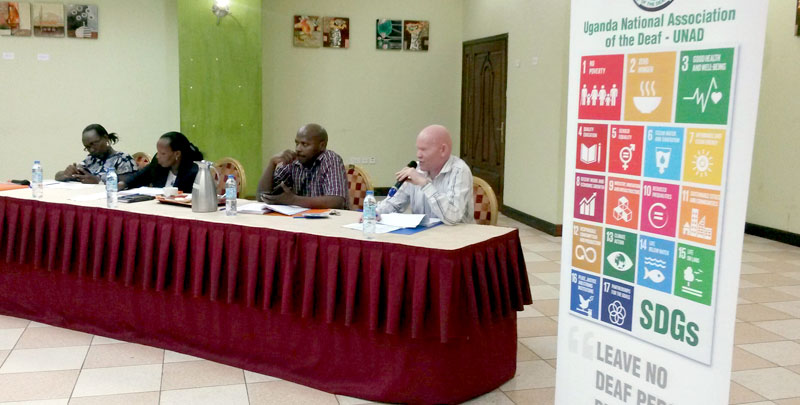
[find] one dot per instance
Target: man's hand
(71, 170)
(412, 175)
(87, 178)
(285, 157)
(287, 197)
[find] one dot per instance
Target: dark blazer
(156, 176)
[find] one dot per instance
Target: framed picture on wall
(5, 27)
(389, 34)
(19, 18)
(415, 35)
(797, 20)
(336, 32)
(307, 31)
(48, 19)
(82, 21)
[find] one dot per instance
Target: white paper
(88, 197)
(152, 191)
(286, 209)
(253, 208)
(379, 228)
(402, 220)
(66, 185)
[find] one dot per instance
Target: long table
(428, 318)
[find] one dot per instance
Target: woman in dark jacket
(173, 166)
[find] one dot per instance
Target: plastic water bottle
(36, 180)
(230, 196)
(370, 215)
(111, 188)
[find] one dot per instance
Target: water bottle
(111, 188)
(370, 214)
(36, 180)
(230, 196)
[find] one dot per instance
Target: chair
(226, 166)
(358, 182)
(485, 202)
(141, 159)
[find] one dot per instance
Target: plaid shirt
(326, 176)
(121, 162)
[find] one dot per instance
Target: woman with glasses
(97, 141)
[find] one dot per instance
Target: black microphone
(393, 190)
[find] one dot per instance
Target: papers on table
(264, 208)
(151, 191)
(379, 228)
(65, 185)
(88, 197)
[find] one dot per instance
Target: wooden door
(483, 109)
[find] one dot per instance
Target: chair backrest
(358, 182)
(141, 159)
(485, 202)
(226, 166)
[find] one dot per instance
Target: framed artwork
(19, 18)
(48, 19)
(82, 21)
(5, 26)
(797, 20)
(389, 34)
(307, 31)
(415, 35)
(336, 32)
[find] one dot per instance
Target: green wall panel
(220, 82)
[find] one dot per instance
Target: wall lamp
(221, 8)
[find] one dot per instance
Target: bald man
(440, 186)
(309, 176)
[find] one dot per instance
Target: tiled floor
(41, 364)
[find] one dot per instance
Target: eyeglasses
(94, 145)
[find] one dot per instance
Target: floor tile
(175, 357)
(790, 307)
(544, 292)
(287, 393)
(48, 359)
(788, 328)
(748, 333)
(3, 355)
(251, 377)
(122, 354)
(345, 400)
(62, 401)
(35, 386)
(529, 312)
(551, 255)
(102, 340)
(226, 394)
(36, 338)
(203, 373)
(550, 278)
(495, 397)
(118, 380)
(524, 353)
(9, 337)
(34, 324)
(139, 398)
(765, 294)
(744, 360)
(785, 353)
(742, 395)
(543, 267)
(9, 322)
(759, 312)
(542, 346)
(793, 290)
(789, 401)
(528, 327)
(770, 383)
(750, 269)
(534, 257)
(531, 374)
(542, 247)
(546, 307)
(540, 396)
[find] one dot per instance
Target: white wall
(372, 102)
(536, 97)
(774, 187)
(126, 80)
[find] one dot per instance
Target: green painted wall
(220, 82)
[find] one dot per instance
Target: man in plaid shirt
(308, 176)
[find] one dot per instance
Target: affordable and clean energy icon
(690, 276)
(626, 155)
(702, 99)
(583, 307)
(702, 162)
(662, 158)
(616, 313)
(657, 215)
(696, 227)
(648, 101)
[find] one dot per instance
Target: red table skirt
(374, 320)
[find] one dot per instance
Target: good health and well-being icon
(704, 86)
